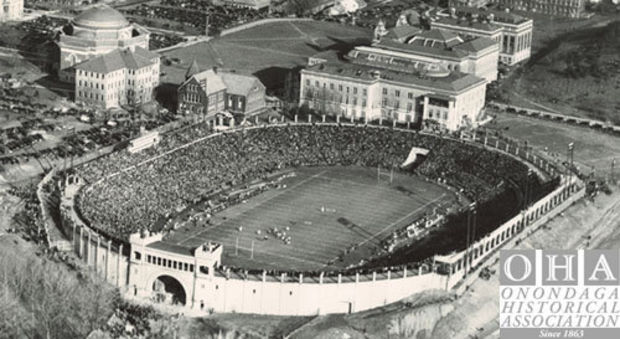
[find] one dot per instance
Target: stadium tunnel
(170, 290)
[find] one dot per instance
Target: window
(364, 92)
(385, 91)
(410, 95)
(348, 89)
(308, 82)
(445, 115)
(385, 102)
(355, 101)
(354, 90)
(364, 102)
(191, 268)
(316, 83)
(409, 107)
(397, 93)
(340, 88)
(331, 86)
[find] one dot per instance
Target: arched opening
(167, 289)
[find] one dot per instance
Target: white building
(11, 10)
(97, 31)
(450, 98)
(121, 77)
(512, 32)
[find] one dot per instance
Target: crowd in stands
(194, 14)
(137, 198)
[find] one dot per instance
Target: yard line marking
(264, 201)
(401, 219)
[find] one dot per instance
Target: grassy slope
(574, 69)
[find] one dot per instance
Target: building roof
(402, 32)
(436, 38)
(468, 23)
(102, 17)
(239, 84)
(476, 45)
(118, 59)
(454, 82)
(213, 80)
(193, 69)
(327, 55)
(171, 247)
(416, 49)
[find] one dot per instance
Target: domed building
(97, 31)
(107, 59)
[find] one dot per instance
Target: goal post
(387, 174)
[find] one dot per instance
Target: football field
(323, 210)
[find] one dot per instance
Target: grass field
(361, 210)
(265, 49)
(592, 149)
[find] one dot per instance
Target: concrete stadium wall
(105, 256)
(507, 235)
(225, 292)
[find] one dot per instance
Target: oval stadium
(305, 218)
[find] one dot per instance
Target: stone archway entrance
(167, 289)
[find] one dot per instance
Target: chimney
(491, 17)
(215, 69)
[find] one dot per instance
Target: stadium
(305, 218)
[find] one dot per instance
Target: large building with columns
(430, 92)
(512, 32)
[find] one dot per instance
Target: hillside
(578, 70)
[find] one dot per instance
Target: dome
(103, 17)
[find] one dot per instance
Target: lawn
(358, 210)
(265, 49)
(574, 69)
(592, 148)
